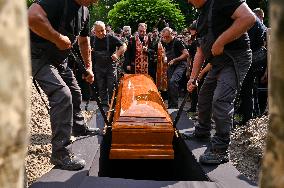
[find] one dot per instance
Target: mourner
(139, 51)
(126, 31)
(192, 50)
(105, 54)
(55, 25)
(259, 13)
(223, 40)
(126, 36)
(153, 54)
(177, 55)
(249, 103)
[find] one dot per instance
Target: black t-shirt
(77, 18)
(178, 46)
(257, 35)
(192, 48)
(221, 21)
(101, 44)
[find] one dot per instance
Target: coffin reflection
(142, 127)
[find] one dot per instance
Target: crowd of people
(220, 59)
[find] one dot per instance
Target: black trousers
(249, 95)
(175, 73)
(105, 83)
(64, 96)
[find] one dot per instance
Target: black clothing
(127, 58)
(68, 162)
(175, 72)
(177, 45)
(192, 48)
(104, 68)
(104, 48)
(100, 44)
(249, 101)
(257, 35)
(56, 79)
(228, 71)
(153, 57)
(77, 18)
(221, 9)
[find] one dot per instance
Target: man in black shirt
(106, 49)
(249, 103)
(177, 55)
(223, 40)
(55, 25)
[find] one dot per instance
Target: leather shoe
(68, 162)
(214, 157)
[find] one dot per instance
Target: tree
(132, 12)
(29, 2)
(14, 78)
(100, 10)
(190, 12)
(273, 163)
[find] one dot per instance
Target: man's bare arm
(40, 25)
(85, 49)
(243, 20)
(182, 57)
(197, 63)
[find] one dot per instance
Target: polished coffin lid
(142, 127)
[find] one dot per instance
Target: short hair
(100, 23)
(118, 30)
(155, 29)
(142, 24)
(170, 30)
(193, 26)
(126, 28)
(258, 12)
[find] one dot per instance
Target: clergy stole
(141, 58)
(162, 67)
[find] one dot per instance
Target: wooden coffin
(142, 127)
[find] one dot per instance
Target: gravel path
(39, 150)
(247, 147)
(246, 151)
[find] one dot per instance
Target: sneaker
(214, 157)
(87, 131)
(68, 162)
(194, 136)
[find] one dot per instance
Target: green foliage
(132, 12)
(188, 11)
(29, 2)
(101, 9)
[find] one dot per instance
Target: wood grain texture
(142, 127)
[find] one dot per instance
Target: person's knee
(63, 96)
